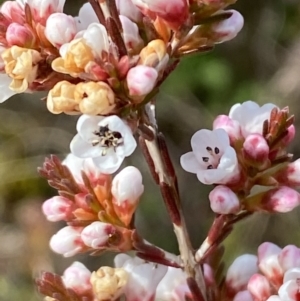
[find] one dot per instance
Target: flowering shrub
(107, 65)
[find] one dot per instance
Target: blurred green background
(261, 64)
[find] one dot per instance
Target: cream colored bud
(108, 283)
(61, 99)
(21, 66)
(153, 53)
(94, 98)
(76, 55)
(49, 299)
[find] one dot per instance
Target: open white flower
(212, 159)
(107, 140)
(251, 116)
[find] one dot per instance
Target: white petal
(86, 125)
(5, 91)
(109, 163)
(96, 37)
(189, 163)
(86, 16)
(292, 274)
(228, 160)
(83, 149)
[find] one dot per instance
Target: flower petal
(83, 149)
(109, 163)
(190, 163)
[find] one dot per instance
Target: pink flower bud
(42, 9)
(268, 262)
(228, 29)
(77, 277)
(67, 241)
(259, 287)
(289, 258)
(240, 272)
(174, 12)
(243, 296)
(208, 274)
(141, 80)
(290, 175)
(57, 209)
(256, 150)
(128, 9)
(60, 29)
(282, 199)
(131, 35)
(97, 234)
(127, 187)
(232, 127)
(290, 135)
(274, 298)
(19, 35)
(13, 12)
(223, 200)
(289, 290)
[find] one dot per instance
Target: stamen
(210, 167)
(205, 159)
(209, 149)
(217, 150)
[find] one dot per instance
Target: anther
(205, 159)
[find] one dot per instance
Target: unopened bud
(98, 234)
(289, 258)
(60, 29)
(141, 80)
(57, 209)
(77, 277)
(227, 29)
(126, 189)
(13, 11)
(223, 200)
(232, 127)
(268, 262)
(290, 175)
(240, 272)
(259, 287)
(131, 35)
(128, 9)
(67, 241)
(61, 99)
(108, 283)
(19, 35)
(94, 98)
(256, 150)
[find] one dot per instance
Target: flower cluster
(273, 275)
(245, 155)
(108, 58)
(97, 208)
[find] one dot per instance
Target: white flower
(144, 277)
(86, 17)
(107, 140)
(251, 116)
(289, 291)
(212, 159)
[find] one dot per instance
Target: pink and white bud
(290, 175)
(60, 29)
(13, 12)
(282, 199)
(42, 9)
(274, 298)
(58, 208)
(208, 274)
(174, 12)
(228, 29)
(128, 9)
(239, 273)
(268, 262)
(97, 234)
(131, 35)
(256, 150)
(289, 291)
(289, 258)
(232, 127)
(67, 241)
(141, 80)
(77, 277)
(243, 296)
(223, 200)
(144, 277)
(259, 287)
(19, 35)
(127, 188)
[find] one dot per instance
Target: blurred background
(261, 64)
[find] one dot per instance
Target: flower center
(213, 158)
(107, 139)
